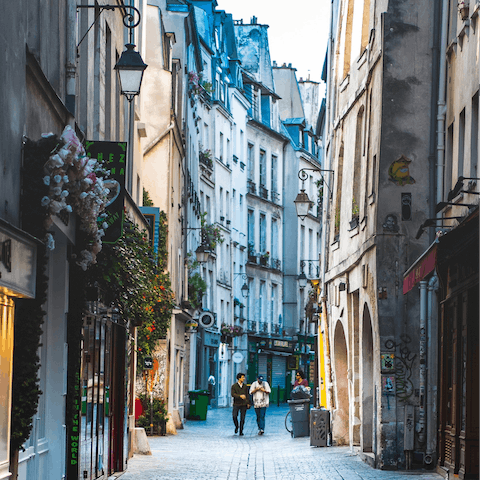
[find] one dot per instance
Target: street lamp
(302, 203)
(244, 290)
(202, 253)
(130, 68)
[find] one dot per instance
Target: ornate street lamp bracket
(128, 17)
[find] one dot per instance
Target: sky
(298, 30)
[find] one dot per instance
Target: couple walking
(260, 390)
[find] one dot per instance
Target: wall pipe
(441, 104)
(432, 332)
(423, 359)
(71, 57)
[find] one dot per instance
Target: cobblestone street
(210, 450)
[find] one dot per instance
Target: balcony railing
(252, 188)
(252, 326)
(263, 192)
(275, 197)
(276, 264)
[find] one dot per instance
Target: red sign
(420, 270)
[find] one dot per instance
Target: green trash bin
(198, 404)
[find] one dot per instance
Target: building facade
(380, 101)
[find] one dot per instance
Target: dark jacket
(238, 390)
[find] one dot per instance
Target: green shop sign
(112, 155)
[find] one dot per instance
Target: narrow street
(209, 449)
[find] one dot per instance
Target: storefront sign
(112, 155)
(73, 440)
(18, 259)
(211, 339)
(420, 270)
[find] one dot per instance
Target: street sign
(147, 363)
(237, 357)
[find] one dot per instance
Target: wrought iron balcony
(263, 192)
(251, 187)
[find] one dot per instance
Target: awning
(420, 269)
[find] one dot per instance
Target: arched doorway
(367, 382)
(340, 431)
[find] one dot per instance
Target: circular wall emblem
(237, 357)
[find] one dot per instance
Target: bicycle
(289, 423)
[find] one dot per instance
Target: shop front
(17, 280)
(271, 358)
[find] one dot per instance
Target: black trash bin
(319, 427)
(300, 413)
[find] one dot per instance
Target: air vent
(207, 319)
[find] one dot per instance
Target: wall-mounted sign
(147, 363)
(237, 357)
(387, 361)
(112, 155)
(18, 259)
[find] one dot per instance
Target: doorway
(367, 382)
(341, 424)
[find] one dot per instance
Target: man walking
(260, 389)
(240, 401)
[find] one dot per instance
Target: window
(228, 151)
(221, 147)
(474, 138)
(240, 147)
(357, 166)
(448, 160)
(206, 142)
(251, 227)
(251, 162)
(221, 201)
(261, 300)
(265, 99)
(274, 173)
(263, 233)
(273, 300)
(274, 251)
(263, 168)
(227, 205)
(461, 143)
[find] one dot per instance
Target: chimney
(274, 63)
(253, 21)
(289, 65)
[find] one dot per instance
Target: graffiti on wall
(404, 362)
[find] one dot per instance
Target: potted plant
(205, 157)
(463, 9)
(264, 258)
(355, 214)
(251, 253)
(154, 413)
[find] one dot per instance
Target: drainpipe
(432, 332)
(71, 56)
(423, 358)
(441, 104)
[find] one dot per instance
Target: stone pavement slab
(210, 450)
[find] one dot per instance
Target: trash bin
(198, 404)
(300, 412)
(319, 427)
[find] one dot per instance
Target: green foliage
(355, 209)
(196, 289)
(133, 278)
(212, 234)
(147, 201)
(29, 313)
(159, 411)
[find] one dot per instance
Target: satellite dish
(207, 319)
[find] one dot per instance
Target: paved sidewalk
(210, 450)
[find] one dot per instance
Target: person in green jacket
(240, 402)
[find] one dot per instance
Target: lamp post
(244, 289)
(130, 68)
